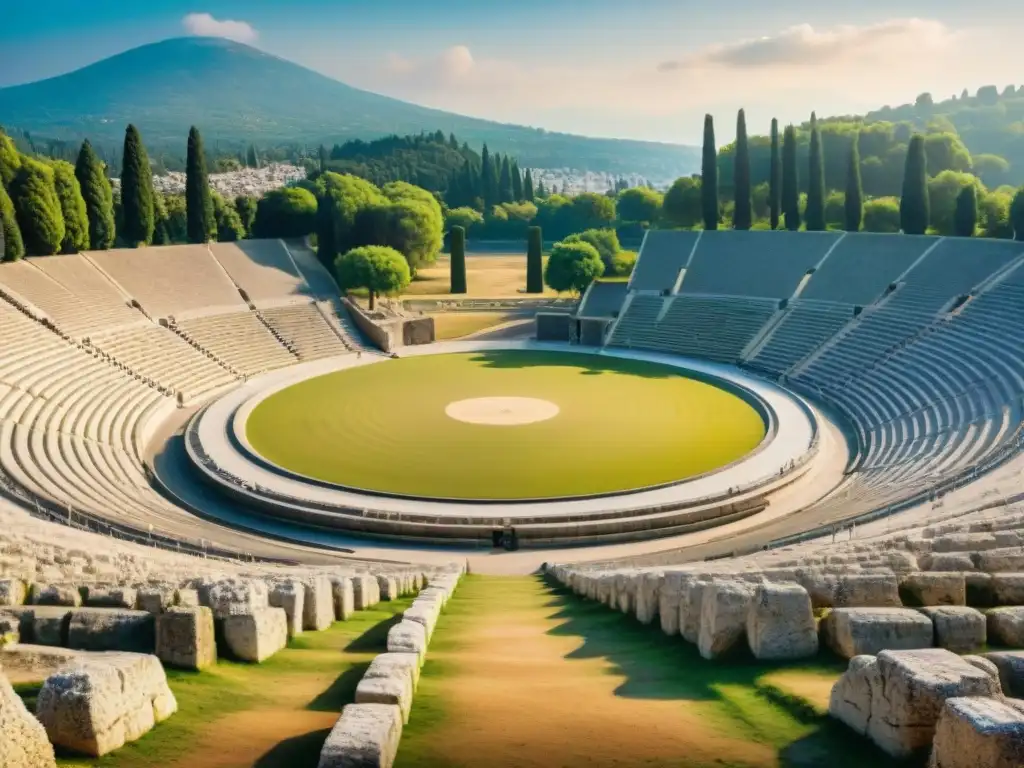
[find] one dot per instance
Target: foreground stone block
(155, 599)
(1011, 671)
(1008, 588)
(258, 635)
(344, 597)
(855, 590)
(185, 638)
(958, 628)
(423, 612)
(855, 631)
(723, 618)
(12, 592)
(47, 624)
(780, 623)
(99, 629)
(395, 664)
(23, 742)
(647, 597)
(56, 594)
(979, 732)
(388, 587)
(668, 602)
(104, 701)
(233, 596)
(396, 690)
(27, 663)
(931, 589)
(908, 690)
(290, 596)
(365, 736)
(111, 597)
(690, 605)
(318, 608)
(366, 591)
(408, 637)
(1006, 627)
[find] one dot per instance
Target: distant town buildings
(573, 181)
(251, 182)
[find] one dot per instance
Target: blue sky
(645, 69)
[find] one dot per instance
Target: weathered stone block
(929, 589)
(365, 736)
(1011, 671)
(258, 635)
(318, 608)
(12, 592)
(290, 596)
(1006, 626)
(855, 631)
(111, 597)
(723, 618)
(56, 594)
(185, 638)
(408, 637)
(958, 628)
(23, 742)
(975, 732)
(344, 597)
(103, 629)
(780, 623)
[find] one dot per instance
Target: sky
(644, 69)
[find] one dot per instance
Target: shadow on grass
(341, 692)
(656, 666)
(298, 750)
(588, 365)
(375, 638)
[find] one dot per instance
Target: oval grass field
(620, 425)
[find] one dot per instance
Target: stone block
(111, 597)
(1011, 671)
(366, 591)
(318, 608)
(1008, 588)
(388, 586)
(647, 596)
(958, 628)
(12, 592)
(979, 590)
(23, 741)
(691, 603)
(855, 631)
(935, 588)
(395, 664)
(780, 623)
(47, 624)
(155, 600)
(723, 618)
(234, 596)
(1007, 559)
(185, 638)
(365, 736)
(256, 636)
(56, 594)
(344, 597)
(187, 598)
(395, 690)
(867, 590)
(290, 596)
(408, 637)
(979, 733)
(1006, 626)
(109, 629)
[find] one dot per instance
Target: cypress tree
(816, 182)
(914, 206)
(10, 160)
(709, 176)
(253, 157)
(541, 192)
(99, 199)
(535, 261)
(517, 182)
(37, 209)
(13, 246)
(457, 242)
(202, 226)
(790, 180)
(72, 208)
(322, 156)
(854, 204)
(505, 188)
(1017, 214)
(528, 193)
(775, 178)
(137, 213)
(744, 215)
(965, 219)
(487, 183)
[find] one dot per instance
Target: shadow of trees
(587, 365)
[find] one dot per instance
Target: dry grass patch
(493, 276)
(455, 325)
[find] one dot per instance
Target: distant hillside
(237, 95)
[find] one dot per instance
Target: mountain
(237, 94)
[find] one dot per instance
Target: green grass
(455, 325)
(328, 664)
(622, 424)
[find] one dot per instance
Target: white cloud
(204, 25)
(803, 45)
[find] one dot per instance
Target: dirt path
(522, 675)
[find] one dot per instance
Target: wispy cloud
(803, 45)
(205, 25)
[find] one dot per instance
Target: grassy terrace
(524, 674)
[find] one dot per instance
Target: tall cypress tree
(99, 198)
(487, 183)
(535, 261)
(517, 182)
(505, 189)
(13, 246)
(743, 216)
(457, 242)
(775, 178)
(709, 176)
(72, 207)
(202, 226)
(528, 193)
(816, 182)
(854, 203)
(253, 157)
(914, 205)
(965, 219)
(37, 209)
(790, 180)
(138, 218)
(1017, 214)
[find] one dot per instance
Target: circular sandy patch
(501, 411)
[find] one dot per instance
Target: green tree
(286, 212)
(175, 217)
(790, 180)
(854, 201)
(590, 210)
(98, 196)
(946, 152)
(341, 197)
(505, 189)
(534, 260)
(914, 203)
(742, 217)
(994, 213)
(10, 160)
(14, 247)
(517, 182)
(464, 217)
(681, 206)
(37, 209)
(246, 208)
(229, 224)
(709, 177)
(605, 242)
(488, 183)
(573, 267)
(943, 195)
(774, 178)
(252, 158)
(882, 214)
(202, 225)
(457, 244)
(639, 204)
(1017, 214)
(528, 193)
(377, 268)
(816, 181)
(966, 217)
(72, 207)
(137, 216)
